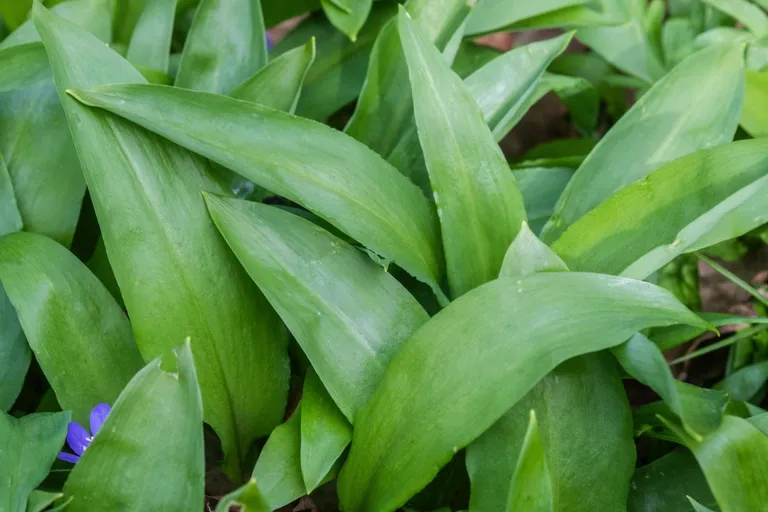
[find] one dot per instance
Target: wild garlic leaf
(22, 66)
(494, 15)
(330, 173)
(148, 455)
(531, 486)
(78, 333)
(347, 15)
(147, 195)
(425, 395)
(665, 124)
(150, 44)
(478, 202)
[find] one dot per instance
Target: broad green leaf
(426, 397)
(502, 87)
(226, 44)
(666, 123)
(347, 15)
(149, 453)
(278, 470)
(700, 410)
(733, 462)
(677, 40)
(79, 335)
(278, 84)
(754, 114)
(711, 192)
(348, 314)
(22, 66)
(586, 424)
(98, 263)
(10, 217)
(541, 187)
(30, 445)
(330, 173)
(237, 338)
(247, 498)
(338, 73)
(93, 15)
(698, 507)
(662, 485)
(746, 382)
(569, 153)
(325, 432)
(531, 487)
(478, 202)
(150, 44)
(384, 112)
(528, 255)
(745, 12)
(495, 15)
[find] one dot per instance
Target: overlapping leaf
(151, 39)
(424, 398)
(149, 453)
(78, 333)
(146, 193)
(666, 123)
(477, 199)
(329, 173)
(347, 15)
(22, 66)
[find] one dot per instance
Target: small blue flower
(79, 438)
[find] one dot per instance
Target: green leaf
(477, 199)
(701, 410)
(705, 197)
(670, 337)
(503, 87)
(30, 445)
(746, 13)
(495, 15)
(746, 382)
(14, 12)
(739, 449)
(384, 112)
(348, 314)
(531, 487)
(347, 15)
(150, 44)
(226, 44)
(278, 470)
(425, 398)
(80, 336)
(754, 114)
(237, 338)
(22, 66)
(325, 432)
(278, 84)
(93, 15)
(330, 173)
(666, 123)
(149, 453)
(528, 255)
(541, 187)
(247, 498)
(585, 420)
(698, 507)
(275, 12)
(677, 39)
(662, 485)
(338, 73)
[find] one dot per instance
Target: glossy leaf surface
(348, 314)
(149, 453)
(78, 333)
(150, 44)
(531, 487)
(347, 15)
(330, 173)
(477, 199)
(423, 399)
(146, 193)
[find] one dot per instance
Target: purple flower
(79, 438)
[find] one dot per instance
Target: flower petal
(68, 457)
(77, 437)
(98, 417)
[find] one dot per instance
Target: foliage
(316, 268)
